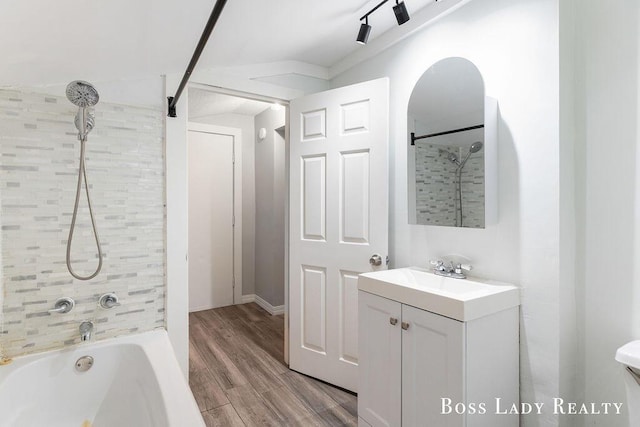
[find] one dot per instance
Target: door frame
(237, 196)
(175, 162)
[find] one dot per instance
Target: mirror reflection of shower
(453, 158)
(84, 96)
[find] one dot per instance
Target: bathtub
(134, 381)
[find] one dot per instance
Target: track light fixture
(400, 10)
(365, 29)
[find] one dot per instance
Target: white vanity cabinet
(410, 359)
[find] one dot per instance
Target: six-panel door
(338, 220)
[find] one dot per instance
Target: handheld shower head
(89, 120)
(475, 147)
(84, 96)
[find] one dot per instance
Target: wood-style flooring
(238, 376)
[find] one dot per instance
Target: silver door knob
(405, 325)
(375, 260)
(393, 321)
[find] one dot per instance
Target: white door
(211, 212)
(380, 388)
(338, 220)
(432, 367)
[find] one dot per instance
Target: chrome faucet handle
(438, 265)
(63, 305)
(108, 301)
(460, 267)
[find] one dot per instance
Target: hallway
(238, 376)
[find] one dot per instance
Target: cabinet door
(432, 368)
(379, 373)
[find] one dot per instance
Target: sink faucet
(455, 271)
(86, 329)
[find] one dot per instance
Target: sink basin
(460, 299)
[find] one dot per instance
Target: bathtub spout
(86, 329)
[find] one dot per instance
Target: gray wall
(270, 208)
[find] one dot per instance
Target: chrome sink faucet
(455, 271)
(86, 330)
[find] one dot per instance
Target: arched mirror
(451, 128)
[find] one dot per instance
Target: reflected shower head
(453, 158)
(475, 147)
(82, 94)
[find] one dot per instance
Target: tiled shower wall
(436, 197)
(39, 153)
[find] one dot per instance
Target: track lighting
(365, 29)
(400, 10)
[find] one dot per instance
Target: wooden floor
(238, 376)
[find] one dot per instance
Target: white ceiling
(204, 103)
(52, 42)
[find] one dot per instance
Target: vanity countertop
(459, 299)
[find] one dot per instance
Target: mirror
(448, 147)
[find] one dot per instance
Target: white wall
(607, 152)
(515, 45)
(246, 125)
(270, 215)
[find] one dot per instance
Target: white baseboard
(201, 308)
(264, 304)
(246, 299)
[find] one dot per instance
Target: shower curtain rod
(414, 138)
(211, 23)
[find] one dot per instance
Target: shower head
(475, 147)
(452, 157)
(82, 94)
(89, 122)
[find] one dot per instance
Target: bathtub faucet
(86, 329)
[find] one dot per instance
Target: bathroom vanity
(436, 351)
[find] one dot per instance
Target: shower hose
(82, 172)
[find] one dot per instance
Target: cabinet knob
(405, 325)
(393, 321)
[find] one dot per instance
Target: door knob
(375, 260)
(393, 321)
(405, 325)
